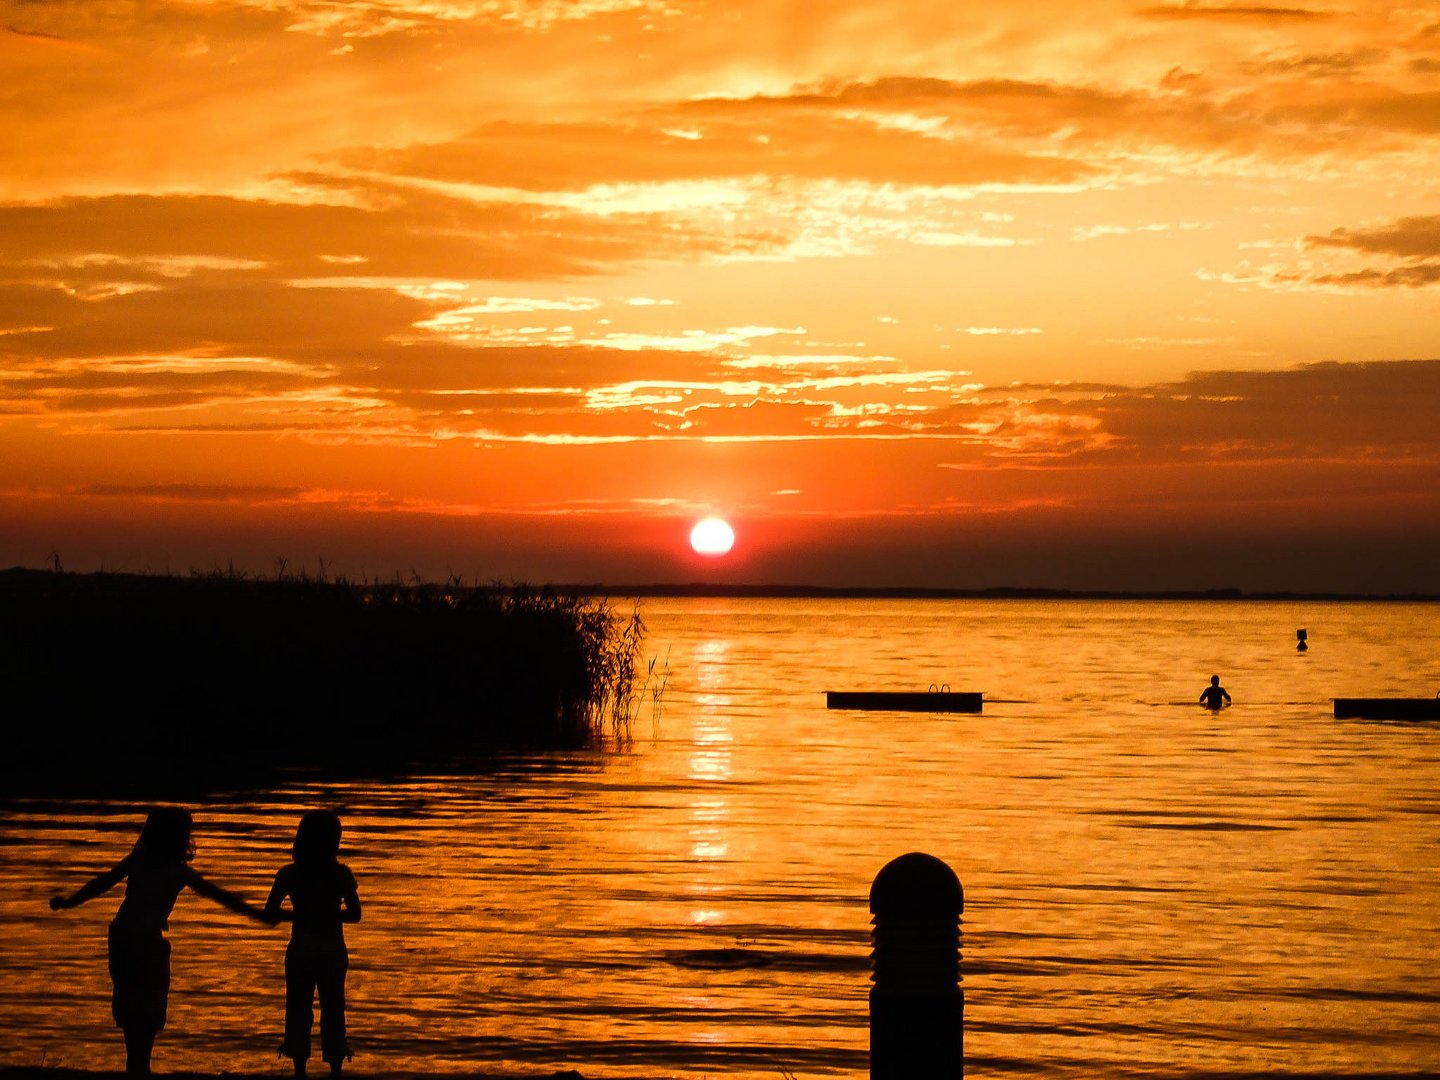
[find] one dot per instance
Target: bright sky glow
(1090, 293)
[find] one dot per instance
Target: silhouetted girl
(155, 871)
(323, 897)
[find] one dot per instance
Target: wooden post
(917, 1009)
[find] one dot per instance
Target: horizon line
(790, 590)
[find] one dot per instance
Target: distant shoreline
(863, 592)
(845, 592)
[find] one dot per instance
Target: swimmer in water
(1215, 696)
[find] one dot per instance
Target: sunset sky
(1077, 293)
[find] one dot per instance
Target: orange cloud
(544, 157)
(395, 233)
(1187, 9)
(1407, 238)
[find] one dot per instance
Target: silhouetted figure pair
(322, 893)
(1214, 696)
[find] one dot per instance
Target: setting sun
(712, 537)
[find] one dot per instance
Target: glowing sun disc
(712, 537)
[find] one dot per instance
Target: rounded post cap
(916, 885)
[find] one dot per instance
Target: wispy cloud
(1409, 238)
(1413, 242)
(1188, 9)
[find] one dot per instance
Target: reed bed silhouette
(117, 680)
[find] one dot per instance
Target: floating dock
(1379, 708)
(932, 701)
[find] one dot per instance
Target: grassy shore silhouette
(114, 681)
(54, 1072)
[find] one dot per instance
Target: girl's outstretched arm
(234, 901)
(101, 883)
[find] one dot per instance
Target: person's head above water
(1214, 680)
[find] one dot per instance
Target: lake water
(1152, 890)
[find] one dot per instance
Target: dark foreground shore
(22, 1072)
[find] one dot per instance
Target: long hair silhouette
(317, 839)
(166, 838)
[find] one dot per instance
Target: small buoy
(1300, 645)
